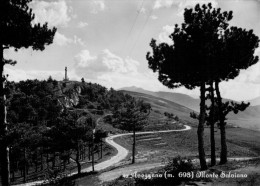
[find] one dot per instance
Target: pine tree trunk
(93, 157)
(77, 161)
(53, 160)
(92, 153)
(222, 124)
(47, 160)
(13, 174)
(64, 164)
(36, 162)
(4, 149)
(133, 151)
(83, 151)
(101, 147)
(36, 165)
(212, 122)
(89, 151)
(24, 166)
(200, 130)
(42, 159)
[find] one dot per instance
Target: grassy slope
(240, 141)
(164, 105)
(250, 118)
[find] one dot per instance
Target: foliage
(71, 130)
(16, 17)
(171, 116)
(205, 49)
(34, 102)
(41, 127)
(132, 114)
(174, 168)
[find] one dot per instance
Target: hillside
(181, 99)
(250, 118)
(163, 105)
(255, 101)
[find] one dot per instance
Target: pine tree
(204, 50)
(236, 49)
(16, 31)
(132, 116)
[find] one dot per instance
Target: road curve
(121, 153)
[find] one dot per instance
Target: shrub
(91, 106)
(99, 112)
(177, 166)
(157, 111)
(108, 119)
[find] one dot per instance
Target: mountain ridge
(250, 118)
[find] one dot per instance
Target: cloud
(106, 62)
(77, 40)
(62, 40)
(56, 13)
(82, 24)
(142, 10)
(154, 17)
(246, 86)
(164, 35)
(257, 51)
(236, 90)
(164, 3)
(117, 64)
(84, 59)
(97, 6)
(117, 80)
(110, 70)
(250, 75)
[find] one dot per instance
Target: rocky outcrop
(70, 97)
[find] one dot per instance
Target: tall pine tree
(16, 31)
(204, 50)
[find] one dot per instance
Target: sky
(106, 42)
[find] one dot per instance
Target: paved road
(121, 153)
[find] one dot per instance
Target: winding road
(121, 153)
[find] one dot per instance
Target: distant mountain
(137, 89)
(179, 98)
(250, 118)
(255, 101)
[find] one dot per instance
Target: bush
(99, 112)
(108, 119)
(91, 106)
(99, 107)
(175, 168)
(157, 111)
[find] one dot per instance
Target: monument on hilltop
(66, 75)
